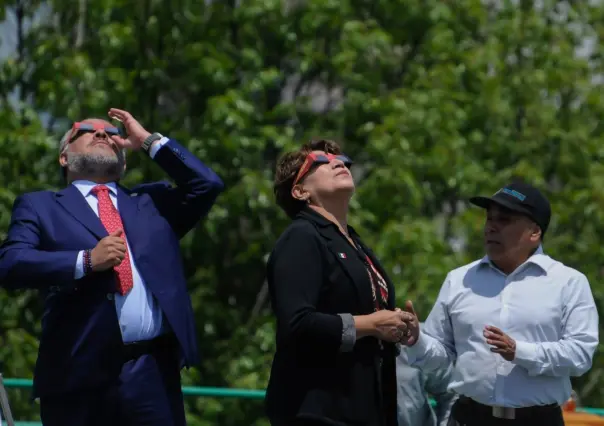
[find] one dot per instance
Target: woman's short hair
(287, 169)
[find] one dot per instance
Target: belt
(165, 344)
(508, 413)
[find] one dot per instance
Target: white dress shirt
(139, 314)
(545, 306)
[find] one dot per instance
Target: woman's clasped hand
(390, 326)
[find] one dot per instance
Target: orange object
(574, 418)
(570, 405)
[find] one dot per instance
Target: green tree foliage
(436, 101)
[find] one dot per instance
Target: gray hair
(64, 141)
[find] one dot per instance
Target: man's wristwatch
(149, 141)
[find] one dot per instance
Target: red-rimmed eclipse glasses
(79, 128)
(313, 159)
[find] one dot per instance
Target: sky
(8, 44)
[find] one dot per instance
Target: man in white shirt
(517, 323)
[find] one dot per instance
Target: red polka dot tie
(112, 221)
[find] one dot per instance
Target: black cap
(521, 198)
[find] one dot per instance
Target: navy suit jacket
(81, 342)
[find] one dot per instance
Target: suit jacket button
(110, 296)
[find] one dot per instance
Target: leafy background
(436, 101)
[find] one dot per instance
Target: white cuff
(79, 266)
(157, 145)
(419, 349)
(526, 355)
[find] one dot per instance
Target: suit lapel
(72, 200)
(128, 209)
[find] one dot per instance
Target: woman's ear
(299, 193)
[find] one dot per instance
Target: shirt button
(110, 296)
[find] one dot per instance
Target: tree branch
(261, 298)
(81, 25)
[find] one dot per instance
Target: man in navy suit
(118, 323)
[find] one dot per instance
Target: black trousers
(466, 414)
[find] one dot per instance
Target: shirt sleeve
(435, 348)
(572, 355)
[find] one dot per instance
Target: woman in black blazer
(336, 319)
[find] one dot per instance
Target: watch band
(149, 141)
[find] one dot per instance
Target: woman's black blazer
(314, 274)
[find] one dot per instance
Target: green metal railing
(186, 390)
(212, 392)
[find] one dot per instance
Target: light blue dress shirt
(414, 389)
(544, 305)
(139, 314)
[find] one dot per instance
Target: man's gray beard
(95, 165)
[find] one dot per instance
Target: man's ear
(63, 159)
(536, 233)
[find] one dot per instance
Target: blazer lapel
(347, 256)
(76, 205)
(353, 265)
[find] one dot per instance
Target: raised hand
(136, 133)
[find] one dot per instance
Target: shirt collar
(538, 258)
(85, 186)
